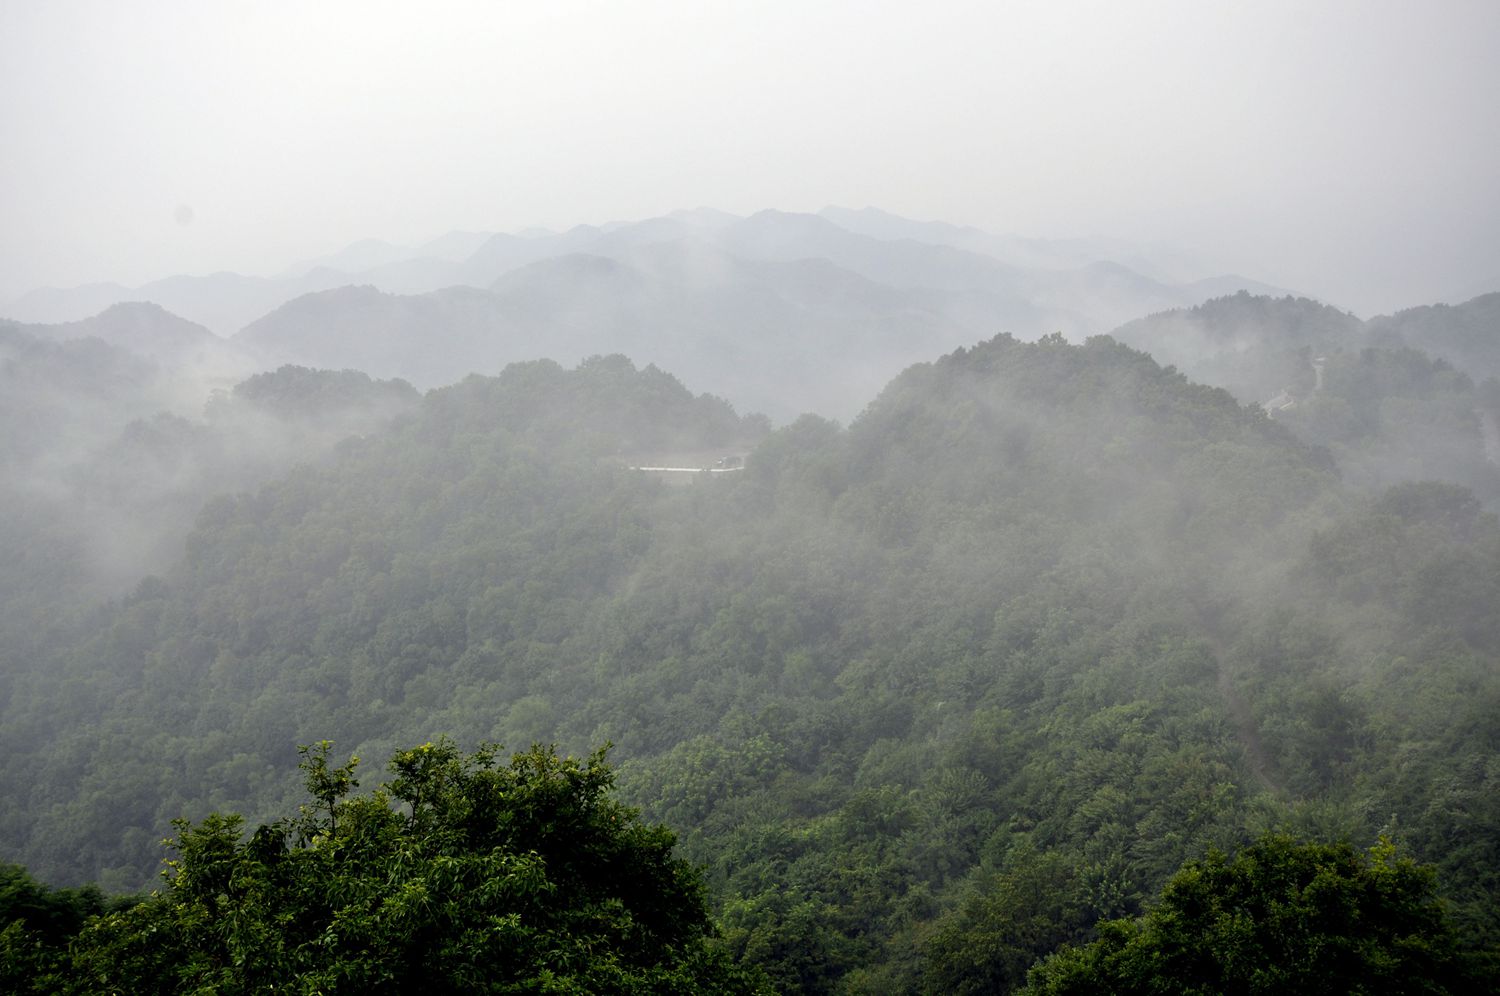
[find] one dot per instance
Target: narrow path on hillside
(1489, 432)
(1240, 716)
(1245, 729)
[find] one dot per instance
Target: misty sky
(1350, 150)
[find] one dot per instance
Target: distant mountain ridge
(1214, 342)
(181, 360)
(875, 244)
(778, 312)
(222, 302)
(1405, 397)
(781, 337)
(143, 328)
(1467, 335)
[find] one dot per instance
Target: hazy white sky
(1348, 149)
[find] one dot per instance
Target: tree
(987, 943)
(461, 874)
(36, 924)
(1281, 917)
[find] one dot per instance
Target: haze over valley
(747, 308)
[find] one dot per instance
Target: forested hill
(1256, 346)
(1462, 334)
(928, 696)
(1253, 346)
(1396, 399)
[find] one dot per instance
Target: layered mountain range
(926, 696)
(723, 300)
(1046, 621)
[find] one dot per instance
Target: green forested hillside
(106, 458)
(1394, 399)
(1281, 917)
(459, 874)
(1251, 345)
(1390, 416)
(1463, 334)
(927, 696)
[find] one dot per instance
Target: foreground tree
(37, 923)
(1280, 917)
(461, 874)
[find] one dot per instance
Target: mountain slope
(778, 337)
(1043, 610)
(183, 348)
(1466, 335)
(1386, 412)
(779, 312)
(1023, 276)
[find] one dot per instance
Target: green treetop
(1280, 917)
(462, 874)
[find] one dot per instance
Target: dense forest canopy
(969, 498)
(1281, 917)
(460, 873)
(926, 697)
(1398, 398)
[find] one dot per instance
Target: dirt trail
(1489, 431)
(1245, 730)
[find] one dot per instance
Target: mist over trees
(459, 873)
(1399, 398)
(781, 312)
(1047, 652)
